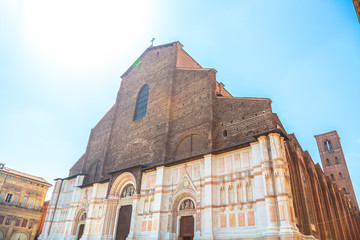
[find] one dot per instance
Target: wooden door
(123, 227)
(81, 231)
(186, 228)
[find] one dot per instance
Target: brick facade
(199, 153)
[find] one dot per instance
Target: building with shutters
(21, 199)
(178, 157)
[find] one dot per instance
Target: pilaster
(207, 200)
(158, 197)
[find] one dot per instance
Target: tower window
(141, 102)
(327, 162)
(328, 145)
(344, 189)
(341, 176)
(337, 160)
(332, 177)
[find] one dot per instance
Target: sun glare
(81, 31)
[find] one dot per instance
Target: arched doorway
(186, 228)
(125, 211)
(121, 199)
(186, 215)
(80, 224)
(19, 236)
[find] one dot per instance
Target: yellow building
(21, 199)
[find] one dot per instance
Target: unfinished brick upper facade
(187, 114)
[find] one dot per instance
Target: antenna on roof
(152, 41)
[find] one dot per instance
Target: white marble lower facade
(239, 194)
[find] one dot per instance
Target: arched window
(327, 162)
(340, 175)
(332, 177)
(337, 160)
(328, 145)
(141, 102)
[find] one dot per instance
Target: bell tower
(334, 164)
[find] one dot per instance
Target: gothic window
(332, 177)
(327, 162)
(340, 175)
(328, 145)
(128, 191)
(337, 160)
(231, 194)
(239, 191)
(187, 204)
(8, 198)
(141, 103)
(222, 196)
(146, 203)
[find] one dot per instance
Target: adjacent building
(178, 157)
(334, 163)
(21, 201)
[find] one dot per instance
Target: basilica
(178, 157)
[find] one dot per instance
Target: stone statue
(187, 205)
(128, 191)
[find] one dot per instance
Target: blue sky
(60, 67)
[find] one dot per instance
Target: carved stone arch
(120, 183)
(181, 196)
(187, 194)
(190, 144)
(19, 235)
(78, 220)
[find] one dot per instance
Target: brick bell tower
(334, 164)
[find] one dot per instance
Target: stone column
(132, 232)
(270, 200)
(280, 169)
(207, 200)
(34, 229)
(11, 227)
(157, 207)
(109, 220)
